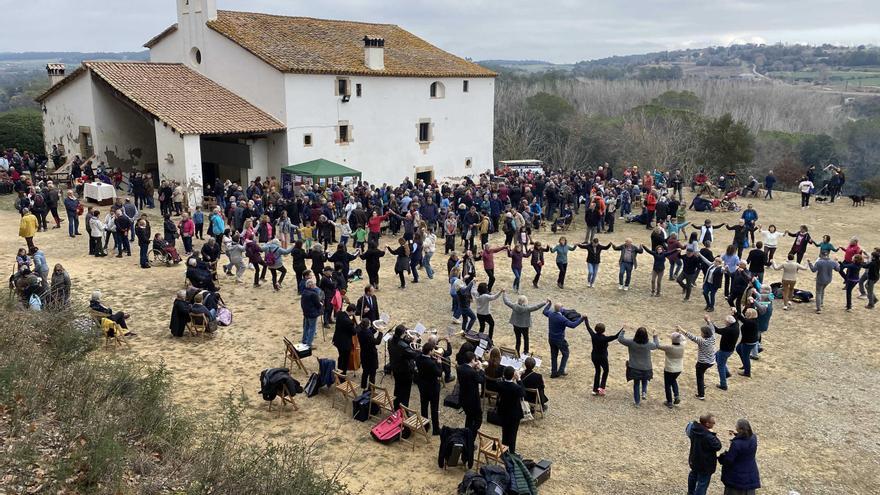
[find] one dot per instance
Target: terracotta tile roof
(317, 46)
(182, 98)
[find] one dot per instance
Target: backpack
(39, 201)
(390, 429)
(224, 317)
(472, 484)
(362, 407)
(271, 257)
(571, 314)
(312, 386)
(497, 479)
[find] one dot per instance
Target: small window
(196, 55)
(464, 86)
(424, 132)
(468, 163)
(437, 90)
(357, 90)
(343, 133)
(342, 88)
(307, 139)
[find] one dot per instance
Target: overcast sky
(554, 30)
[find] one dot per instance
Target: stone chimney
(374, 53)
(56, 73)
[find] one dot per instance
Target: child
(307, 234)
(22, 260)
(360, 238)
(160, 244)
(198, 218)
(344, 231)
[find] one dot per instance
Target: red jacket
(374, 224)
(651, 201)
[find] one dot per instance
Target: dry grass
(812, 400)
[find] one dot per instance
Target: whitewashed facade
(388, 126)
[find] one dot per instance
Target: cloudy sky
(555, 30)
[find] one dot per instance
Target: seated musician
(531, 379)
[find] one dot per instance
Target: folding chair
(489, 395)
(381, 398)
(508, 351)
(286, 398)
(490, 449)
(198, 324)
(415, 423)
(291, 355)
(536, 406)
(344, 388)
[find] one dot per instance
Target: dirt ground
(812, 399)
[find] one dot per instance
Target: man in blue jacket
(702, 457)
(557, 323)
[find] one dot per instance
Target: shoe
(450, 379)
(619, 287)
(668, 404)
(700, 397)
(594, 392)
(863, 296)
(722, 387)
(744, 374)
(869, 306)
(590, 286)
(676, 401)
(77, 233)
(625, 287)
(644, 395)
(554, 375)
(563, 373)
(818, 311)
(601, 392)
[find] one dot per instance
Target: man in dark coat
(702, 460)
(342, 335)
(179, 314)
(470, 376)
(428, 381)
(368, 339)
(368, 305)
(510, 396)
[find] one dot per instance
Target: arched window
(438, 90)
(196, 55)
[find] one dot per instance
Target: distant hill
(71, 57)
(840, 67)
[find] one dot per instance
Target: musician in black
(470, 377)
(428, 381)
(403, 365)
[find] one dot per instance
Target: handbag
(224, 317)
(527, 411)
(312, 386)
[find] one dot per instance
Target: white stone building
(237, 95)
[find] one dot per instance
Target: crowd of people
(328, 230)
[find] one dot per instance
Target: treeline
(777, 57)
(715, 125)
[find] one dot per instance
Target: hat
(690, 249)
(676, 337)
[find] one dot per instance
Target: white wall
(66, 110)
(169, 49)
(384, 121)
(187, 165)
(122, 137)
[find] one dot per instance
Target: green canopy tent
(316, 170)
